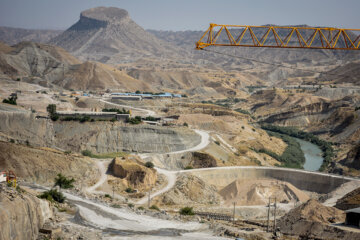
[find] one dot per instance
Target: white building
(2, 176)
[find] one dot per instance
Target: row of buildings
(141, 96)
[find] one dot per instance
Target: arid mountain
(14, 36)
(52, 66)
(110, 35)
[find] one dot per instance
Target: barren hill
(49, 66)
(110, 35)
(348, 73)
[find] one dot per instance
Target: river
(313, 155)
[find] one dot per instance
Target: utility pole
(149, 199)
(268, 217)
(275, 216)
(234, 213)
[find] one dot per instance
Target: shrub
(130, 205)
(242, 111)
(217, 143)
(135, 120)
(51, 109)
(12, 140)
(188, 167)
(116, 206)
(141, 208)
(107, 195)
(53, 195)
(11, 100)
(85, 119)
(185, 124)
(129, 190)
(149, 165)
(86, 153)
(154, 207)
(186, 211)
(119, 111)
(64, 182)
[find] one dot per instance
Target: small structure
(9, 177)
(353, 217)
(3, 176)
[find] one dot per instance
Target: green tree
(64, 182)
(53, 195)
(149, 165)
(11, 100)
(51, 109)
(187, 211)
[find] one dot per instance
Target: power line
(276, 64)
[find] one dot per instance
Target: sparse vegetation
(88, 153)
(64, 182)
(187, 211)
(242, 111)
(149, 165)
(53, 195)
(119, 111)
(141, 208)
(150, 118)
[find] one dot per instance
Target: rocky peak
(105, 14)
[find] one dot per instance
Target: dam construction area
(112, 131)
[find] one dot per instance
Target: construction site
(110, 131)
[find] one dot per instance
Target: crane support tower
(280, 37)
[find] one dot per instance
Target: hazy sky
(185, 14)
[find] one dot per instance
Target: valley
(162, 141)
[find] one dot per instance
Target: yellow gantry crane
(280, 37)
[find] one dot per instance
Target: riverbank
(326, 147)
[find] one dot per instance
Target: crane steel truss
(280, 37)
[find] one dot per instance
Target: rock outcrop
(349, 201)
(202, 160)
(190, 189)
(352, 159)
(22, 214)
(132, 173)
